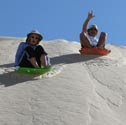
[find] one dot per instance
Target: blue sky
(63, 19)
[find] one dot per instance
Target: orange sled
(94, 51)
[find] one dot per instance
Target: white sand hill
(82, 90)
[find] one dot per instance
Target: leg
(101, 41)
(84, 41)
(34, 62)
(41, 56)
(32, 59)
(43, 61)
(25, 62)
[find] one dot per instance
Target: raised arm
(89, 17)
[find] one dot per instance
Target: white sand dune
(82, 90)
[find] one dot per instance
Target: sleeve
(19, 52)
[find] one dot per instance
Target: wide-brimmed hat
(93, 26)
(35, 32)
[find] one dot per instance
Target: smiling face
(33, 39)
(92, 32)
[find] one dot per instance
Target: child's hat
(35, 32)
(93, 26)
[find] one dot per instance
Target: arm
(19, 53)
(89, 17)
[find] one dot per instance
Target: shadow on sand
(9, 78)
(71, 58)
(13, 77)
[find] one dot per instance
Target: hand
(90, 15)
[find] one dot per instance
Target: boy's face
(33, 39)
(92, 32)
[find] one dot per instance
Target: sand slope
(82, 90)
